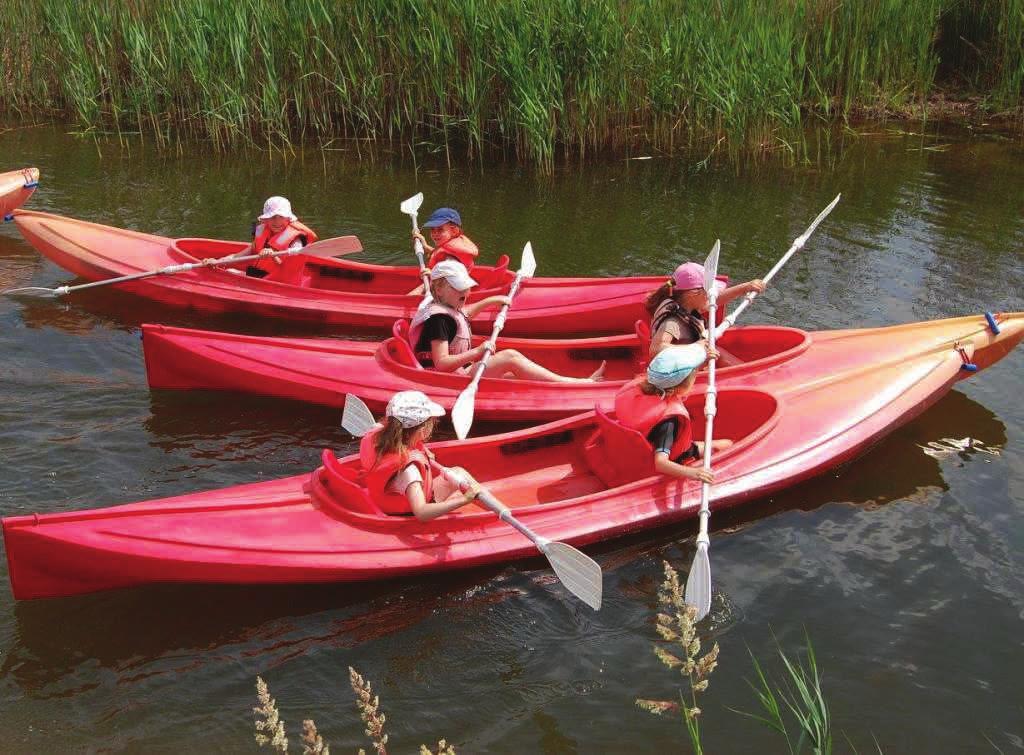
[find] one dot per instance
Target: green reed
(534, 78)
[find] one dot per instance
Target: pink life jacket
(463, 333)
(459, 248)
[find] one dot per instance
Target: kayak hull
(323, 371)
(16, 186)
(324, 291)
(310, 529)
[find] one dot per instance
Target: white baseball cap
(277, 206)
(455, 273)
(413, 408)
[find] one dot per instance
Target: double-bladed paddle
(462, 412)
(411, 207)
(698, 582)
(335, 247)
(797, 245)
(579, 573)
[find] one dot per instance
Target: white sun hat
(277, 206)
(413, 408)
(455, 273)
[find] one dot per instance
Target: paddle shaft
(491, 344)
(504, 513)
(418, 249)
(169, 270)
(797, 245)
(710, 409)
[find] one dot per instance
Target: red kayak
(16, 187)
(323, 290)
(322, 371)
(579, 480)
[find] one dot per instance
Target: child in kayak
(399, 470)
(441, 337)
(653, 406)
(679, 308)
(276, 230)
(445, 227)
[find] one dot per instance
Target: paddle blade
(336, 247)
(46, 293)
(698, 583)
(462, 412)
(411, 206)
(528, 266)
(577, 571)
(357, 419)
(711, 267)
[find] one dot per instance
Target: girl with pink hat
(679, 307)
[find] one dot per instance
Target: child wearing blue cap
(653, 405)
(450, 243)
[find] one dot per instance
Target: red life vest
(463, 333)
(263, 237)
(378, 473)
(638, 411)
(456, 248)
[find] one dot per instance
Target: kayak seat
(643, 331)
(346, 490)
(616, 454)
(496, 277)
(400, 348)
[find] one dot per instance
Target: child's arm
(473, 309)
(735, 292)
(446, 362)
(425, 511)
(664, 465)
(426, 247)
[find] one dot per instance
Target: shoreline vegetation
(537, 80)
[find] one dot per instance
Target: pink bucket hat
(689, 275)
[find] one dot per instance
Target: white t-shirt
(403, 478)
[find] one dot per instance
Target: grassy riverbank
(531, 77)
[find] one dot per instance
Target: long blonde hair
(393, 438)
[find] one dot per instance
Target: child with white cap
(653, 405)
(679, 307)
(440, 333)
(398, 468)
(277, 229)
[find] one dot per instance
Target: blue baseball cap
(672, 365)
(441, 216)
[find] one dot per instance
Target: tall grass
(531, 77)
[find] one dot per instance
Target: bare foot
(598, 374)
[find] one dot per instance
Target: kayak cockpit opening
(556, 465)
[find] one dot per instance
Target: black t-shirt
(438, 327)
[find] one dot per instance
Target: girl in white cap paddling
(654, 406)
(276, 230)
(398, 467)
(679, 307)
(440, 333)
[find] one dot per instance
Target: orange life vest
(463, 333)
(378, 473)
(638, 411)
(263, 237)
(456, 248)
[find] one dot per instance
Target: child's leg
(512, 362)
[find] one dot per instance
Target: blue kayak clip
(8, 218)
(968, 365)
(993, 326)
(31, 184)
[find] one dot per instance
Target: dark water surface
(906, 569)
